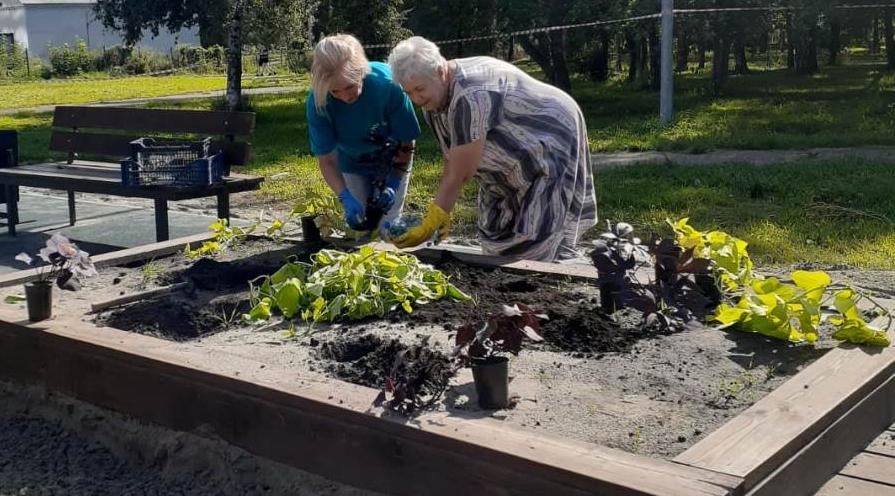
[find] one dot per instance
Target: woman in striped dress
(523, 140)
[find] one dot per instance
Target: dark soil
(178, 316)
(577, 323)
(588, 330)
(217, 296)
(214, 301)
(212, 275)
(416, 375)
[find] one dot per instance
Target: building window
(7, 39)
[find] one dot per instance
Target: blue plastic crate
(199, 172)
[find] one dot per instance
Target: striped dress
(536, 190)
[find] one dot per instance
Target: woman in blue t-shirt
(362, 128)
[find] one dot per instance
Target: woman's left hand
(389, 193)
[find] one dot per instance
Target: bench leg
(12, 207)
(224, 206)
(71, 208)
(161, 220)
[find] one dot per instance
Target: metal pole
(666, 107)
(27, 63)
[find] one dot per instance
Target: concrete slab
(102, 225)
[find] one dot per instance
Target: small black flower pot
(39, 297)
(609, 297)
(491, 377)
(310, 230)
(709, 287)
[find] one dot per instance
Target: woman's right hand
(354, 211)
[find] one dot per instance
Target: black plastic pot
(709, 287)
(491, 377)
(39, 296)
(310, 230)
(609, 297)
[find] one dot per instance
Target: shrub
(299, 60)
(201, 60)
(143, 61)
(12, 60)
(110, 58)
(68, 61)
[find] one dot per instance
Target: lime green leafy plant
(794, 312)
(791, 312)
(326, 209)
(731, 263)
(225, 236)
(339, 285)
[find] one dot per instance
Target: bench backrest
(108, 131)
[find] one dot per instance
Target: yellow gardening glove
(436, 219)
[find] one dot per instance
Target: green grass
(834, 212)
(838, 212)
(57, 92)
(843, 106)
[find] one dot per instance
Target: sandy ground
(54, 445)
(654, 395)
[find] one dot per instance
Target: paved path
(750, 157)
(104, 224)
(274, 90)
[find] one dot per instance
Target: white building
(38, 24)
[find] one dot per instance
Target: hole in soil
(173, 318)
(213, 275)
(586, 328)
(368, 360)
(350, 350)
(518, 286)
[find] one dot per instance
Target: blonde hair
(339, 55)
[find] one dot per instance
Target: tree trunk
(511, 50)
(683, 51)
(702, 49)
(890, 39)
(619, 53)
(234, 57)
(790, 45)
(721, 57)
(655, 58)
(535, 48)
(806, 52)
(835, 41)
(633, 57)
(558, 56)
(813, 65)
(599, 67)
(644, 56)
(741, 65)
(874, 36)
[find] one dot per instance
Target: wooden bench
(105, 133)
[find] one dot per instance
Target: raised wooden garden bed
(256, 393)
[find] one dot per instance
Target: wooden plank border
(827, 454)
(745, 453)
(118, 257)
(324, 428)
(838, 402)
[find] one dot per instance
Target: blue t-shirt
(382, 105)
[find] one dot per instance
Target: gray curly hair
(415, 57)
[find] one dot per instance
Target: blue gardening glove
(389, 193)
(354, 211)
